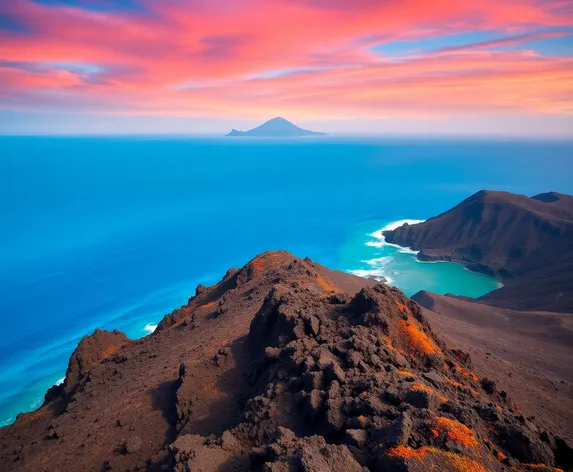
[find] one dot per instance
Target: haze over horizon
(139, 66)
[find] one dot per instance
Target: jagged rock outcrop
(286, 366)
(90, 352)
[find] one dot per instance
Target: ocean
(115, 232)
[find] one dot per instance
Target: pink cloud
(308, 57)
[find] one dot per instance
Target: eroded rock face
(375, 377)
(90, 352)
(194, 453)
(310, 454)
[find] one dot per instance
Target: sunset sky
(205, 66)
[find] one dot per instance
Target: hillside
(528, 352)
(526, 242)
(284, 365)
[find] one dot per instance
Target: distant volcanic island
(276, 128)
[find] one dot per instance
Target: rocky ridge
(282, 366)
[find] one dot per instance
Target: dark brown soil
(282, 366)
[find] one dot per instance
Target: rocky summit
(282, 366)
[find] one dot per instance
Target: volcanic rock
(286, 380)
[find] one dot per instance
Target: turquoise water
(117, 232)
(366, 254)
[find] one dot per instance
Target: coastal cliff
(282, 365)
(525, 242)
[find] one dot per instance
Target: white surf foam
(380, 240)
(149, 328)
(378, 270)
(37, 404)
(380, 266)
(61, 381)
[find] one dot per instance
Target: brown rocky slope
(282, 366)
(526, 242)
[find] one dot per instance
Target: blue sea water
(116, 232)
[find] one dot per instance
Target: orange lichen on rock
(454, 431)
(436, 459)
(419, 386)
(453, 383)
(33, 416)
(417, 340)
(257, 264)
(500, 456)
(403, 308)
(108, 352)
(265, 261)
(405, 373)
(465, 373)
(209, 306)
(474, 392)
(463, 464)
(325, 285)
(406, 452)
(391, 346)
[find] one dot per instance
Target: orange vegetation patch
(418, 341)
(209, 305)
(109, 351)
(453, 382)
(363, 421)
(27, 417)
(454, 431)
(403, 308)
(500, 456)
(265, 261)
(405, 452)
(465, 373)
(390, 345)
(470, 390)
(463, 464)
(325, 285)
(419, 386)
(212, 390)
(436, 459)
(257, 264)
(405, 373)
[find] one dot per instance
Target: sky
(341, 66)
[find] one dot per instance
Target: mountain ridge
(282, 365)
